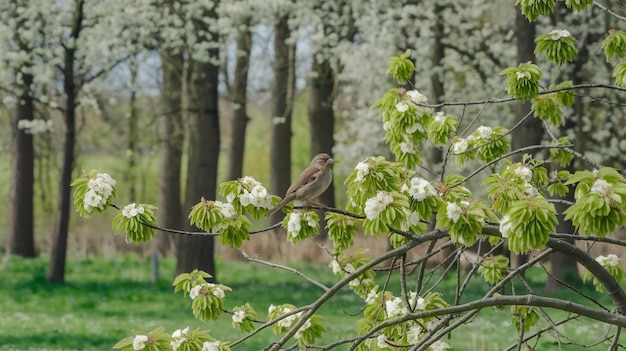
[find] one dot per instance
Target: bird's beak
(330, 161)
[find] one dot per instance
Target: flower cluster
(377, 204)
(559, 46)
(247, 195)
(300, 225)
(139, 342)
(252, 193)
(132, 210)
(600, 198)
(362, 169)
(308, 331)
(179, 337)
(206, 288)
(208, 298)
(211, 346)
(35, 126)
(454, 211)
(419, 189)
(100, 191)
(610, 260)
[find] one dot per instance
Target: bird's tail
(279, 206)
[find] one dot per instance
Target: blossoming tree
(390, 200)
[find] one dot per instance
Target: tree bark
(21, 234)
(56, 271)
(239, 96)
(435, 155)
(283, 86)
(322, 120)
(131, 141)
(203, 154)
(172, 138)
(530, 132)
(563, 267)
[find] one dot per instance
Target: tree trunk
(530, 132)
(56, 271)
(322, 121)
(564, 267)
(131, 142)
(239, 96)
(283, 86)
(21, 235)
(435, 155)
(172, 137)
(203, 154)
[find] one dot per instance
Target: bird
(311, 183)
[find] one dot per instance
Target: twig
(280, 266)
(544, 92)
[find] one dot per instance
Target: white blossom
(559, 33)
(35, 126)
(610, 260)
(520, 75)
(239, 316)
(395, 307)
(602, 187)
(525, 173)
(139, 343)
(304, 327)
(226, 209)
(413, 334)
(484, 132)
(179, 337)
(100, 189)
(407, 146)
(506, 226)
(131, 210)
(453, 211)
(419, 188)
(336, 267)
(372, 296)
(440, 117)
(377, 204)
(211, 346)
(195, 291)
(90, 200)
(416, 97)
(293, 225)
(382, 341)
(217, 291)
(440, 346)
(460, 146)
(402, 107)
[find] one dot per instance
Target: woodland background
(173, 97)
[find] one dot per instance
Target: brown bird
(311, 183)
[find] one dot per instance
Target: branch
(436, 234)
(609, 11)
(289, 269)
(509, 99)
(610, 285)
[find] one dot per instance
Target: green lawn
(105, 299)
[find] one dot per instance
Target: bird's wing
(306, 177)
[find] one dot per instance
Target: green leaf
(614, 45)
(548, 107)
(401, 67)
(619, 73)
(578, 5)
(558, 45)
(532, 9)
(341, 230)
(522, 82)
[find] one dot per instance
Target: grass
(105, 299)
